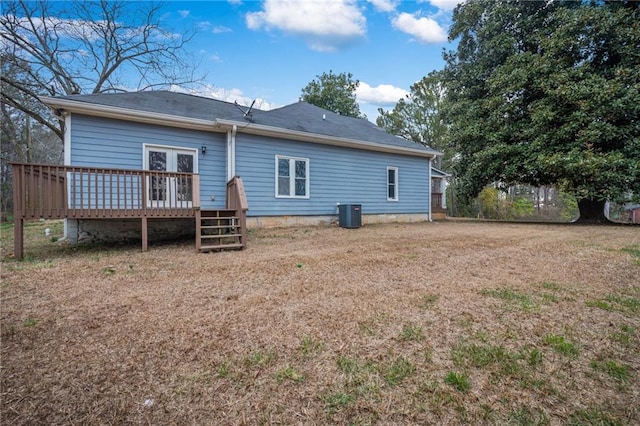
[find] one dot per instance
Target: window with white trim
(292, 177)
(392, 183)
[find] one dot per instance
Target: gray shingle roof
(300, 116)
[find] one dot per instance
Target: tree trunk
(592, 211)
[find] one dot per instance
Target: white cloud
(184, 13)
(425, 30)
(382, 94)
(325, 25)
(448, 5)
(384, 5)
(203, 25)
(220, 29)
(227, 95)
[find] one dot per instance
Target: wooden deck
(44, 191)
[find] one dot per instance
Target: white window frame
(171, 152)
(292, 183)
(168, 148)
(395, 184)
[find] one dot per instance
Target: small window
(392, 184)
(292, 177)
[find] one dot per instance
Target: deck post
(144, 233)
(18, 238)
(19, 205)
(198, 229)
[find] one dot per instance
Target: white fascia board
(138, 116)
(258, 129)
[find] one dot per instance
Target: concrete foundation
(285, 221)
(110, 230)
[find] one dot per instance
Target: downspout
(67, 162)
(430, 194)
(234, 130)
(231, 152)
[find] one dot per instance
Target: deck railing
(44, 191)
(237, 200)
(52, 191)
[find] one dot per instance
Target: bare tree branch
(65, 48)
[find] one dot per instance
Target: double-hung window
(292, 177)
(392, 183)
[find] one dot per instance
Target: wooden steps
(218, 230)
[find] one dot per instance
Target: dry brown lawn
(432, 323)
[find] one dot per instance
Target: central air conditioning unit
(350, 215)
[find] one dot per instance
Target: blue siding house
(297, 164)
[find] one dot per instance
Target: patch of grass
(428, 300)
(256, 360)
(561, 345)
(534, 357)
(527, 416)
(618, 371)
(411, 332)
(223, 371)
(29, 262)
(109, 270)
(338, 400)
(521, 300)
(593, 417)
(624, 336)
(549, 298)
(371, 325)
(459, 381)
(347, 365)
(309, 346)
(601, 304)
(29, 322)
(399, 370)
(625, 303)
(550, 285)
(361, 379)
(289, 373)
(482, 356)
(628, 304)
(634, 251)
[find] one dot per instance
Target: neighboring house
(135, 160)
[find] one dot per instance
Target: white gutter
(147, 117)
(259, 129)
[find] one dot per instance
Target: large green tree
(333, 92)
(417, 116)
(547, 93)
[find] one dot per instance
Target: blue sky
(269, 50)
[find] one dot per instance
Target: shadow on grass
(40, 244)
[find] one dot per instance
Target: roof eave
(109, 111)
(262, 130)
